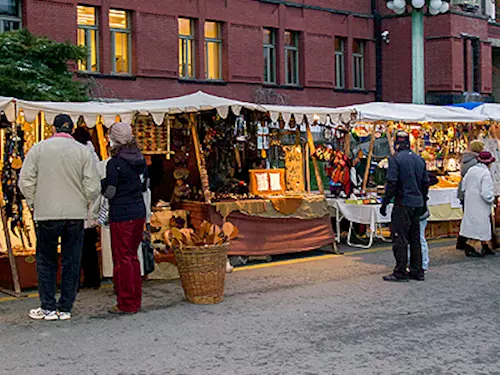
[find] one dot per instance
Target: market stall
(439, 134)
(200, 150)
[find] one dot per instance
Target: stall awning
(7, 105)
(191, 103)
(380, 111)
(312, 114)
(490, 110)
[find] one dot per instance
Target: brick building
(314, 52)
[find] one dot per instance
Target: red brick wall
(155, 61)
(155, 44)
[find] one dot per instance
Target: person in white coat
(479, 197)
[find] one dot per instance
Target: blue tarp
(468, 105)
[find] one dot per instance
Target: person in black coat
(408, 184)
(126, 180)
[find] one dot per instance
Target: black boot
(486, 250)
(461, 242)
(471, 252)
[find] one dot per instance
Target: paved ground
(334, 315)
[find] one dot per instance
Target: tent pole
(390, 139)
(12, 258)
(369, 158)
(200, 159)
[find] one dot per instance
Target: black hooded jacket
(126, 180)
(407, 180)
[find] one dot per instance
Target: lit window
(213, 51)
(340, 63)
(88, 31)
(10, 15)
(186, 48)
(269, 56)
(358, 64)
(121, 44)
(292, 58)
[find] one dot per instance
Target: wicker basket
(203, 271)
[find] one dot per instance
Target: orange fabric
(286, 206)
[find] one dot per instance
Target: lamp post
(416, 8)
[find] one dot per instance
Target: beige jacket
(59, 179)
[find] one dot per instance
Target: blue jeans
(424, 246)
(47, 236)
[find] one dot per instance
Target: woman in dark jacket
(126, 180)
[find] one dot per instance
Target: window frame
(88, 36)
(185, 39)
(340, 63)
(476, 65)
(270, 57)
(218, 41)
(112, 35)
(295, 50)
(9, 18)
(358, 61)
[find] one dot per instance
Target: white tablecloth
(444, 196)
(368, 214)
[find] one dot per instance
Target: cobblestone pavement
(332, 315)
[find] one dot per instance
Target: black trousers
(405, 229)
(90, 260)
(47, 236)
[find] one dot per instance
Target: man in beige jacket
(58, 179)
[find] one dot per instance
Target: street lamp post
(416, 8)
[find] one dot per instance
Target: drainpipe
(377, 29)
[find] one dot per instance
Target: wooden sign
(294, 175)
(267, 181)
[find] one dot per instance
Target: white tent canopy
(200, 101)
(191, 103)
(380, 111)
(490, 110)
(312, 114)
(7, 105)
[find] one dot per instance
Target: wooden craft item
(312, 148)
(294, 169)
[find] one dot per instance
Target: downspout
(377, 30)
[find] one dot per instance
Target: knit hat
(63, 124)
(486, 157)
(120, 133)
(476, 146)
(402, 140)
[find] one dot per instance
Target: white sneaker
(64, 315)
(41, 314)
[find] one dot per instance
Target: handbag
(148, 252)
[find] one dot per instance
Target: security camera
(385, 36)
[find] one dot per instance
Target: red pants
(125, 239)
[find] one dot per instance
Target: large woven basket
(203, 271)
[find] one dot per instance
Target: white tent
(312, 114)
(191, 103)
(490, 110)
(380, 111)
(7, 105)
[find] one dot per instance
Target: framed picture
(267, 181)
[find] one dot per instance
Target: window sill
(353, 91)
(125, 77)
(215, 82)
(285, 87)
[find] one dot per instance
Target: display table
(264, 228)
(443, 206)
(368, 214)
